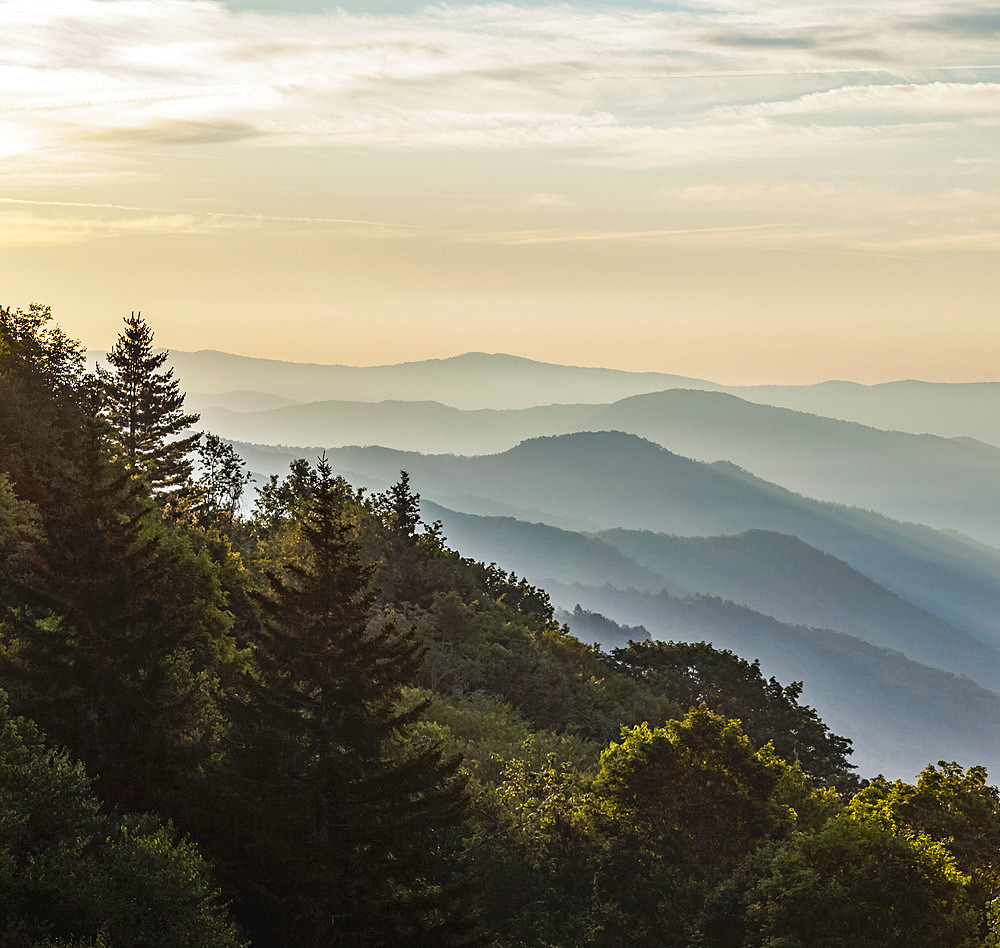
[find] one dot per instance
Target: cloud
(20, 229)
(180, 132)
(617, 83)
(61, 222)
(520, 238)
(549, 200)
(752, 41)
(896, 100)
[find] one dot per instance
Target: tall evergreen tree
(125, 639)
(146, 408)
(347, 835)
(115, 634)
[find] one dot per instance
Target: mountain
(472, 380)
(540, 552)
(424, 426)
(593, 628)
(951, 409)
(476, 380)
(604, 480)
(944, 482)
(236, 403)
(899, 713)
(773, 574)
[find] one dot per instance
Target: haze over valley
(836, 552)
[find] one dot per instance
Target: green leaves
(72, 875)
(858, 884)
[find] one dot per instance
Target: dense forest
(299, 718)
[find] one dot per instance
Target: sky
(748, 191)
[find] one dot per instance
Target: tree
(122, 639)
(281, 502)
(853, 884)
(697, 673)
(146, 408)
(400, 509)
(45, 404)
(222, 478)
(953, 805)
(115, 635)
(696, 793)
(70, 874)
(351, 836)
(406, 571)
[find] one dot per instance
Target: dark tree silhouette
(349, 832)
(145, 407)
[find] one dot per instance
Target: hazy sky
(748, 191)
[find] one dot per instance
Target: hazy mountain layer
(236, 402)
(945, 483)
(537, 551)
(951, 409)
(472, 380)
(480, 380)
(899, 713)
(770, 573)
(605, 480)
(595, 629)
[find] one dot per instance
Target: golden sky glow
(748, 192)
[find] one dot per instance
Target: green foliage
(281, 502)
(629, 854)
(853, 884)
(695, 792)
(31, 340)
(488, 732)
(346, 822)
(694, 674)
(70, 875)
(955, 806)
(120, 637)
(216, 495)
(126, 642)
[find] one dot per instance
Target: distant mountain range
(686, 510)
(901, 714)
(481, 380)
(770, 573)
(603, 480)
(947, 483)
(891, 684)
(472, 380)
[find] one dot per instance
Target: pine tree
(115, 634)
(125, 639)
(347, 831)
(405, 554)
(146, 408)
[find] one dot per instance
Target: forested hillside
(300, 718)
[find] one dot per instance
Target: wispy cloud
(520, 238)
(545, 199)
(96, 74)
(22, 227)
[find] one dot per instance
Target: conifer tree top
(145, 407)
